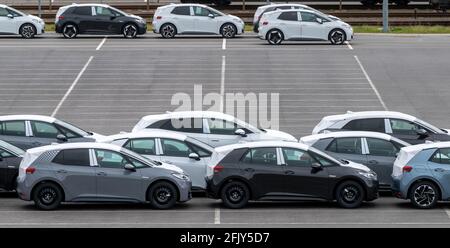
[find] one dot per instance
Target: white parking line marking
(101, 44)
(348, 45)
(222, 83)
(71, 87)
(217, 216)
(224, 44)
(371, 83)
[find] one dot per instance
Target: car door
(105, 20)
(3, 167)
(7, 24)
(182, 18)
(406, 131)
(203, 22)
(16, 133)
(347, 148)
(439, 165)
(302, 180)
(144, 146)
(219, 132)
(72, 167)
(263, 168)
(114, 182)
(290, 24)
(381, 155)
(312, 28)
(177, 152)
(43, 133)
(85, 17)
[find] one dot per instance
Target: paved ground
(106, 85)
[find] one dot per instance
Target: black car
(10, 158)
(269, 170)
(77, 19)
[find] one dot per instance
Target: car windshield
(118, 10)
(215, 12)
(73, 128)
(17, 11)
(429, 126)
(12, 148)
(318, 152)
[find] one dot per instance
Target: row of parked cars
(274, 22)
(347, 159)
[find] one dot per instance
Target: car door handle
(439, 170)
(289, 172)
(215, 140)
(249, 170)
(61, 171)
(373, 162)
(167, 161)
(11, 166)
(101, 173)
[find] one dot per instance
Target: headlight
(370, 175)
(181, 176)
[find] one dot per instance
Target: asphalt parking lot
(107, 84)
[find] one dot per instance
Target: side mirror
(129, 167)
(240, 132)
(422, 132)
(10, 16)
(211, 16)
(316, 166)
(319, 20)
(194, 155)
(61, 137)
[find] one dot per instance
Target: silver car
(92, 172)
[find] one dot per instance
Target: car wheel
(275, 37)
(130, 31)
(235, 195)
(228, 30)
(28, 31)
(349, 194)
(168, 30)
(70, 31)
(424, 195)
(163, 195)
(337, 37)
(47, 196)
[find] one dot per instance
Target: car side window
(68, 133)
(308, 17)
(181, 10)
(175, 148)
(44, 130)
(261, 156)
(102, 11)
(13, 128)
(441, 156)
(296, 157)
(288, 16)
(14, 13)
(200, 151)
(5, 154)
(379, 147)
(200, 11)
(346, 145)
(219, 126)
(404, 127)
(372, 124)
(187, 125)
(85, 11)
(110, 159)
(142, 146)
(3, 12)
(75, 157)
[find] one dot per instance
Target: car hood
(235, 17)
(356, 166)
(170, 167)
(278, 135)
(334, 17)
(135, 16)
(446, 130)
(97, 137)
(36, 18)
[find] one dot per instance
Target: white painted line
(371, 83)
(348, 45)
(72, 86)
(217, 216)
(222, 84)
(224, 44)
(101, 44)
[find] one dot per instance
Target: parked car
(94, 172)
(402, 126)
(277, 170)
(212, 128)
(174, 19)
(191, 155)
(10, 157)
(75, 19)
(374, 150)
(276, 6)
(422, 174)
(28, 131)
(301, 24)
(13, 21)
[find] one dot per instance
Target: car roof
(282, 4)
(191, 114)
(147, 133)
(263, 144)
(371, 114)
(28, 117)
(186, 4)
(75, 145)
(86, 4)
(348, 134)
(425, 146)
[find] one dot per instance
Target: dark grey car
(86, 172)
(10, 157)
(377, 151)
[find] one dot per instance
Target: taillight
(30, 170)
(407, 168)
(158, 17)
(265, 23)
(60, 17)
(218, 168)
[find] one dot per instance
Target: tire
(337, 36)
(130, 31)
(47, 196)
(162, 195)
(424, 195)
(70, 31)
(168, 31)
(275, 37)
(228, 30)
(27, 31)
(235, 195)
(350, 194)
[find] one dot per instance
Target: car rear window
(182, 10)
(373, 124)
(76, 157)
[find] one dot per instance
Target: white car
(173, 19)
(212, 128)
(13, 21)
(271, 7)
(169, 147)
(280, 25)
(403, 126)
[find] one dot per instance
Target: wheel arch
(52, 182)
(23, 24)
(238, 179)
(129, 22)
(275, 29)
(426, 179)
(225, 23)
(333, 29)
(347, 179)
(176, 28)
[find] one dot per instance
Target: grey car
(374, 150)
(98, 172)
(28, 131)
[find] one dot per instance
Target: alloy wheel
(168, 31)
(275, 37)
(337, 37)
(70, 31)
(28, 32)
(424, 195)
(130, 31)
(228, 31)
